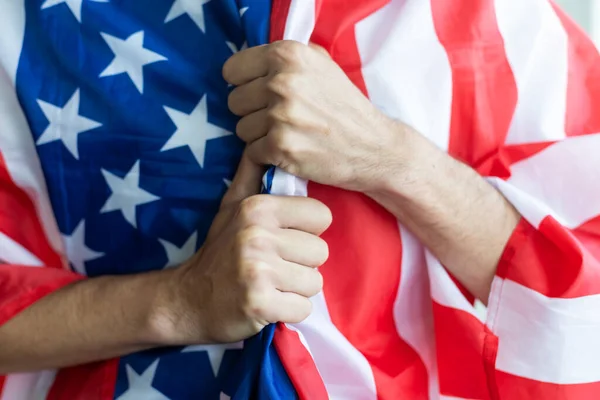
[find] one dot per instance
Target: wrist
(170, 321)
(407, 165)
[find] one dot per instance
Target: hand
(302, 114)
(257, 266)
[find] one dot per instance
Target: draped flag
(116, 145)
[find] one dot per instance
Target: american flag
(116, 145)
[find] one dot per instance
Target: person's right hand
(257, 266)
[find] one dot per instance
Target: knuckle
(254, 273)
(284, 111)
(255, 305)
(250, 240)
(283, 84)
(254, 209)
(284, 144)
(256, 239)
(287, 52)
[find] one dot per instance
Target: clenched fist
(300, 112)
(257, 266)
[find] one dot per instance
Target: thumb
(246, 183)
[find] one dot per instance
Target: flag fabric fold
(510, 87)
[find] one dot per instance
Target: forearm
(91, 320)
(455, 213)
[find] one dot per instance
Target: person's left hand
(301, 113)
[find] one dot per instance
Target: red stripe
(500, 164)
(460, 339)
(87, 382)
(296, 360)
(361, 283)
(376, 263)
(334, 30)
(22, 286)
(279, 13)
(484, 94)
(19, 220)
(363, 271)
(583, 91)
(589, 236)
(516, 387)
(558, 265)
(299, 365)
(2, 379)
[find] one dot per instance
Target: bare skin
(300, 112)
(258, 266)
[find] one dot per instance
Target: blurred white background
(587, 14)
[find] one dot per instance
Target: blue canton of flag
(128, 109)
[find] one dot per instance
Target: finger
(291, 308)
(246, 65)
(263, 152)
(296, 278)
(247, 182)
(302, 248)
(249, 97)
(301, 213)
(253, 126)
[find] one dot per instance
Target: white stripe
(406, 69)
(443, 289)
(546, 339)
(300, 22)
(537, 49)
(16, 141)
(408, 76)
(454, 398)
(346, 373)
(12, 31)
(12, 252)
(413, 311)
(561, 181)
(287, 184)
(28, 386)
(595, 22)
(22, 162)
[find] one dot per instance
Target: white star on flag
(234, 49)
(215, 352)
(223, 396)
(78, 252)
(193, 130)
(74, 5)
(177, 255)
(194, 8)
(140, 386)
(130, 58)
(65, 124)
(126, 194)
(243, 11)
(227, 182)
